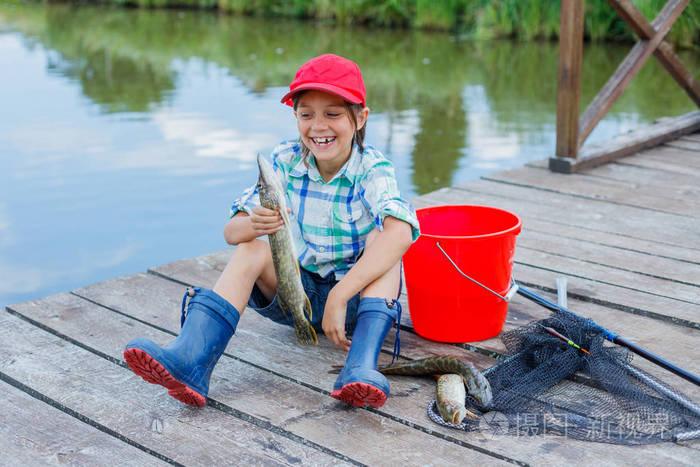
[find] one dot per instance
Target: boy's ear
(362, 117)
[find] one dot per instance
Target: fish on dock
(475, 382)
(290, 291)
(451, 397)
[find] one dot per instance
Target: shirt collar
(349, 170)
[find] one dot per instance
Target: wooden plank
(260, 342)
(681, 258)
(628, 143)
(646, 286)
(607, 284)
(675, 156)
(610, 295)
(583, 185)
(687, 151)
(628, 68)
(678, 181)
(661, 163)
(664, 53)
(281, 388)
(540, 218)
(569, 77)
(621, 220)
(203, 270)
(35, 433)
(688, 144)
(114, 397)
(678, 184)
(624, 260)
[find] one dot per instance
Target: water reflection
(108, 106)
(124, 61)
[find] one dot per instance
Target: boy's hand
(265, 221)
(333, 323)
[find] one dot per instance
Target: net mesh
(545, 386)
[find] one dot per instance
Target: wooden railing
(573, 130)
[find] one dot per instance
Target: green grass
(474, 19)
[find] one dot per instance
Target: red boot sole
(153, 372)
(359, 394)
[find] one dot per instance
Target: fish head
(452, 413)
(269, 186)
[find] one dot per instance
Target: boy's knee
(252, 252)
(253, 247)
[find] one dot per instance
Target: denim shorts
(317, 289)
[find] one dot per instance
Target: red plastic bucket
(479, 241)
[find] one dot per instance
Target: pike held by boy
(290, 292)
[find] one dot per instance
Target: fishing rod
(614, 338)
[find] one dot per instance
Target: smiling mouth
(323, 141)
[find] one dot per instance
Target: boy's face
(326, 128)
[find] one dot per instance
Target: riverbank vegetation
(474, 19)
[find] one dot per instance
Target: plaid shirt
(334, 218)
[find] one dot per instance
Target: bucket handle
(513, 286)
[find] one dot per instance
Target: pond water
(125, 134)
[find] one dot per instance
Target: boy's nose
(318, 122)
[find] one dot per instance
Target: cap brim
(325, 87)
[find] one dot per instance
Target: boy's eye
(333, 114)
(305, 115)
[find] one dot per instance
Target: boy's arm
(248, 219)
(379, 256)
(244, 228)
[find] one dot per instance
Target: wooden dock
(626, 236)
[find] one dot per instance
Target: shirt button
(321, 249)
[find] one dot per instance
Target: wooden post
(569, 85)
(572, 130)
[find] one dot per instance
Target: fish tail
(409, 368)
(305, 332)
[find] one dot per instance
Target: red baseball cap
(329, 73)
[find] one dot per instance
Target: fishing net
(545, 386)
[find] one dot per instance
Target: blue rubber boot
(359, 382)
(184, 367)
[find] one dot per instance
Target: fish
(475, 382)
(290, 291)
(451, 396)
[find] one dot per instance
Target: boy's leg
(251, 264)
(359, 382)
(185, 366)
(386, 286)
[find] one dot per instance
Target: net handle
(506, 298)
(614, 338)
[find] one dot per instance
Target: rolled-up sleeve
(249, 199)
(246, 202)
(380, 195)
